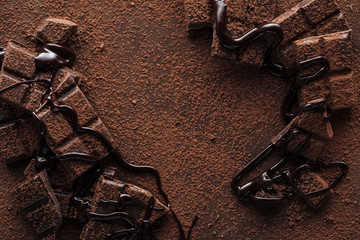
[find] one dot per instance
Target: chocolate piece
(310, 182)
(335, 23)
(19, 60)
(198, 14)
(109, 189)
(46, 218)
(313, 119)
(22, 97)
(36, 199)
(57, 31)
(314, 90)
(252, 13)
(336, 88)
(341, 91)
(336, 47)
(80, 104)
(67, 209)
(19, 140)
(58, 129)
(302, 17)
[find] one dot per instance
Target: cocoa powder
(196, 119)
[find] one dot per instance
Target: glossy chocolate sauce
(247, 192)
(2, 55)
(52, 57)
(275, 69)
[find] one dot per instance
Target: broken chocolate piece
(252, 13)
(198, 14)
(19, 60)
(336, 47)
(19, 140)
(57, 31)
(36, 199)
(303, 17)
(311, 182)
(67, 209)
(107, 195)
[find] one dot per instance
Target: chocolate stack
(311, 30)
(67, 164)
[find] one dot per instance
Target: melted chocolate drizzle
(248, 191)
(52, 57)
(2, 55)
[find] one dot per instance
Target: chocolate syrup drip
(297, 84)
(230, 43)
(248, 191)
(2, 55)
(51, 58)
(275, 69)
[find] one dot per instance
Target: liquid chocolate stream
(52, 57)
(2, 55)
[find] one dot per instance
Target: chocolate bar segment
(36, 199)
(67, 209)
(19, 140)
(304, 16)
(109, 189)
(19, 60)
(336, 47)
(311, 182)
(56, 31)
(198, 14)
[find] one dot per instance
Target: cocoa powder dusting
(195, 118)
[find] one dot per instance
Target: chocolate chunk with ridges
(67, 209)
(19, 60)
(336, 88)
(198, 14)
(299, 19)
(57, 31)
(35, 190)
(313, 150)
(44, 219)
(83, 144)
(336, 47)
(19, 140)
(310, 182)
(58, 129)
(77, 100)
(317, 10)
(109, 189)
(36, 199)
(23, 97)
(341, 89)
(314, 90)
(314, 120)
(333, 24)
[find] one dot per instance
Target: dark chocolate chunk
(19, 60)
(198, 14)
(19, 140)
(57, 31)
(36, 199)
(311, 182)
(109, 189)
